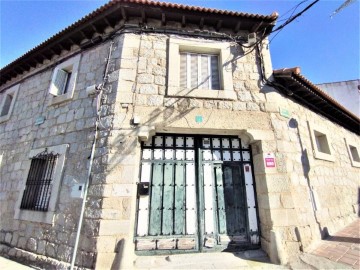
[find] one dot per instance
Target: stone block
(250, 106)
(155, 100)
(286, 200)
(244, 96)
(145, 78)
(225, 105)
(239, 106)
(8, 237)
(114, 227)
(122, 190)
(160, 80)
(210, 104)
(127, 75)
(41, 247)
(105, 244)
(284, 217)
(105, 260)
(278, 183)
(148, 89)
(22, 242)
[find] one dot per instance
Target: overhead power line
(344, 5)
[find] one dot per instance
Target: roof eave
(110, 14)
(302, 90)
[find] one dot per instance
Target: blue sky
(327, 49)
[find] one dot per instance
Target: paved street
(343, 247)
(339, 251)
(6, 264)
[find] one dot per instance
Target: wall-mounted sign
(285, 112)
(198, 119)
(270, 160)
(39, 120)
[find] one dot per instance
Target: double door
(195, 193)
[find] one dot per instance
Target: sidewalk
(7, 264)
(343, 247)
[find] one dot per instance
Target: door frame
(200, 198)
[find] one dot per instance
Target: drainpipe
(99, 91)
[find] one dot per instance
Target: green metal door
(193, 195)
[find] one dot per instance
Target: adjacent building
(346, 93)
(169, 124)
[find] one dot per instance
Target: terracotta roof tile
(112, 3)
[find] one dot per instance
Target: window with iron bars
(37, 191)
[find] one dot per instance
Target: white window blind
(199, 71)
(61, 81)
(7, 103)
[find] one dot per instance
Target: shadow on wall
(306, 169)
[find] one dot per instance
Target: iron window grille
(39, 182)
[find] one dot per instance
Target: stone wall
(72, 123)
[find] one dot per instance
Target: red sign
(270, 162)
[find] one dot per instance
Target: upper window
(7, 101)
(321, 143)
(200, 69)
(38, 200)
(353, 153)
(63, 81)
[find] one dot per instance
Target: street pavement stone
(343, 246)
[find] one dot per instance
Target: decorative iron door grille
(195, 193)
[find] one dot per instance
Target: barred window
(38, 187)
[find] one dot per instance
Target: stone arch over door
(247, 171)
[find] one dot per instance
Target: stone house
(151, 128)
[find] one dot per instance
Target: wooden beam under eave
(83, 34)
(108, 23)
(218, 25)
(39, 58)
(94, 28)
(61, 47)
(256, 27)
(201, 24)
(237, 27)
(143, 16)
(19, 70)
(26, 66)
(123, 13)
(163, 19)
(183, 21)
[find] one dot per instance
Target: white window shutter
(59, 82)
(194, 71)
(183, 70)
(215, 78)
(204, 82)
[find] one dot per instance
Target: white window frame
(317, 153)
(199, 68)
(12, 91)
(39, 216)
(222, 49)
(72, 65)
(351, 144)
